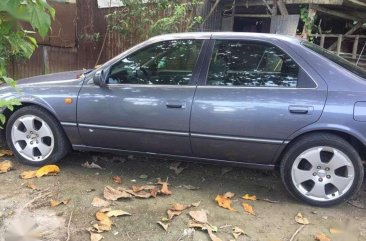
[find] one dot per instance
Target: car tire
(43, 142)
(322, 170)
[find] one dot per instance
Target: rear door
(253, 96)
(147, 102)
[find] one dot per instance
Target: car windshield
(336, 59)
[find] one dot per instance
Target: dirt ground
(26, 209)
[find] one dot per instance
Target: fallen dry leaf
(163, 225)
(95, 236)
(335, 231)
(224, 202)
(28, 174)
(114, 194)
(91, 165)
(47, 170)
(321, 237)
(117, 213)
(194, 224)
(172, 214)
(178, 207)
(5, 152)
(55, 203)
(248, 208)
(32, 186)
(301, 219)
(237, 232)
(164, 187)
(98, 202)
(5, 166)
(250, 197)
(105, 223)
(136, 188)
(117, 179)
(199, 216)
(196, 204)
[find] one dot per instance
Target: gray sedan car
(255, 100)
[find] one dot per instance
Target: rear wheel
(322, 170)
(35, 137)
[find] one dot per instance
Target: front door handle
(300, 109)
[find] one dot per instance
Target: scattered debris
(188, 187)
(300, 219)
(117, 179)
(226, 170)
(196, 204)
(92, 165)
(5, 152)
(321, 237)
(114, 194)
(296, 232)
(143, 176)
(98, 202)
(6, 166)
(249, 197)
(55, 203)
(176, 167)
(224, 201)
(248, 208)
(357, 204)
(335, 231)
(163, 225)
(31, 185)
(237, 232)
(95, 236)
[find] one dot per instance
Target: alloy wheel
(323, 173)
(32, 138)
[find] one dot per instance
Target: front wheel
(35, 137)
(322, 170)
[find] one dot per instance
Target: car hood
(63, 78)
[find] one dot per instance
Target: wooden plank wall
(55, 54)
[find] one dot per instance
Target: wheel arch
(7, 112)
(350, 138)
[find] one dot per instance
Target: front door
(147, 102)
(255, 95)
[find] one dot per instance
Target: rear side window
(336, 59)
(251, 64)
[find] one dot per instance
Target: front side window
(163, 63)
(251, 64)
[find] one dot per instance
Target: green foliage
(309, 23)
(15, 42)
(144, 19)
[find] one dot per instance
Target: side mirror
(99, 78)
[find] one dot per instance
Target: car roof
(236, 35)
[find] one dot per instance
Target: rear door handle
(176, 105)
(300, 109)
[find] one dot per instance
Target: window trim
(197, 68)
(204, 75)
